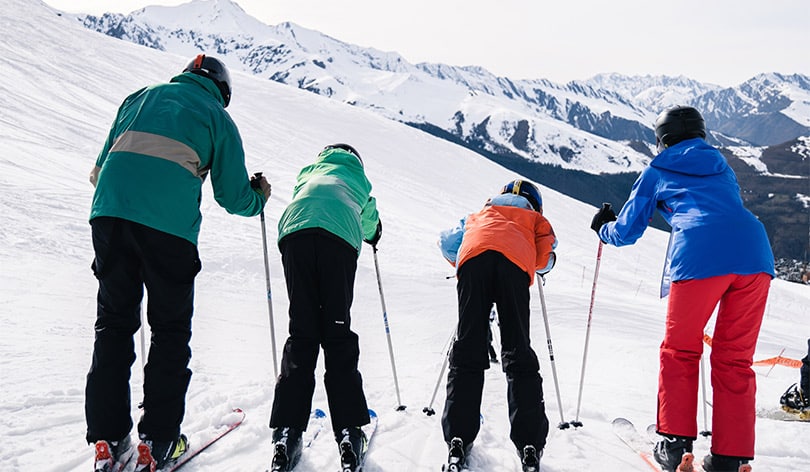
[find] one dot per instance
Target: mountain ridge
(600, 126)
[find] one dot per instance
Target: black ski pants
(487, 278)
(129, 256)
(319, 269)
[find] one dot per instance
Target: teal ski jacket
(165, 140)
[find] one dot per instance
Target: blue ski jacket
(695, 190)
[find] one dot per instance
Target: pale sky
(724, 42)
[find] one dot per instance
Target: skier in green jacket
(145, 218)
(320, 235)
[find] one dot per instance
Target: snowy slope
(61, 87)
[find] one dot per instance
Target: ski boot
(796, 401)
(113, 456)
(530, 458)
(457, 456)
(718, 463)
(154, 455)
(287, 448)
(353, 444)
(674, 453)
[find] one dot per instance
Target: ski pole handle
(255, 181)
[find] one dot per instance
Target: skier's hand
(376, 238)
(604, 215)
(552, 260)
(260, 185)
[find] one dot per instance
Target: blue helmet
(526, 190)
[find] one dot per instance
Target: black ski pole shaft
(258, 176)
(576, 422)
(563, 424)
(400, 406)
(428, 410)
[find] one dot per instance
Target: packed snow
(61, 87)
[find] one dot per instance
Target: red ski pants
(742, 301)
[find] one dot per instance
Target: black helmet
(677, 124)
(526, 190)
(215, 70)
(346, 148)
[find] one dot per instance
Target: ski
(626, 431)
(317, 420)
(194, 452)
(350, 461)
(782, 414)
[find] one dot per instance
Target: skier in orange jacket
(496, 252)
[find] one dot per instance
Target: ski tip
(318, 413)
(372, 413)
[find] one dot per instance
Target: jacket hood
(510, 199)
(339, 156)
(691, 157)
(207, 84)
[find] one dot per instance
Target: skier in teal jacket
(145, 218)
(320, 234)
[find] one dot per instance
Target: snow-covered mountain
(61, 89)
(536, 119)
(652, 92)
(766, 110)
(574, 137)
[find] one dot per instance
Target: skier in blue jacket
(718, 254)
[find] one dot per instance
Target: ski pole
(563, 424)
(143, 339)
(705, 432)
(400, 406)
(258, 176)
(144, 354)
(428, 410)
(576, 423)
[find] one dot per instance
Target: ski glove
(260, 185)
(604, 215)
(552, 260)
(376, 238)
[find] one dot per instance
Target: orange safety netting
(778, 360)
